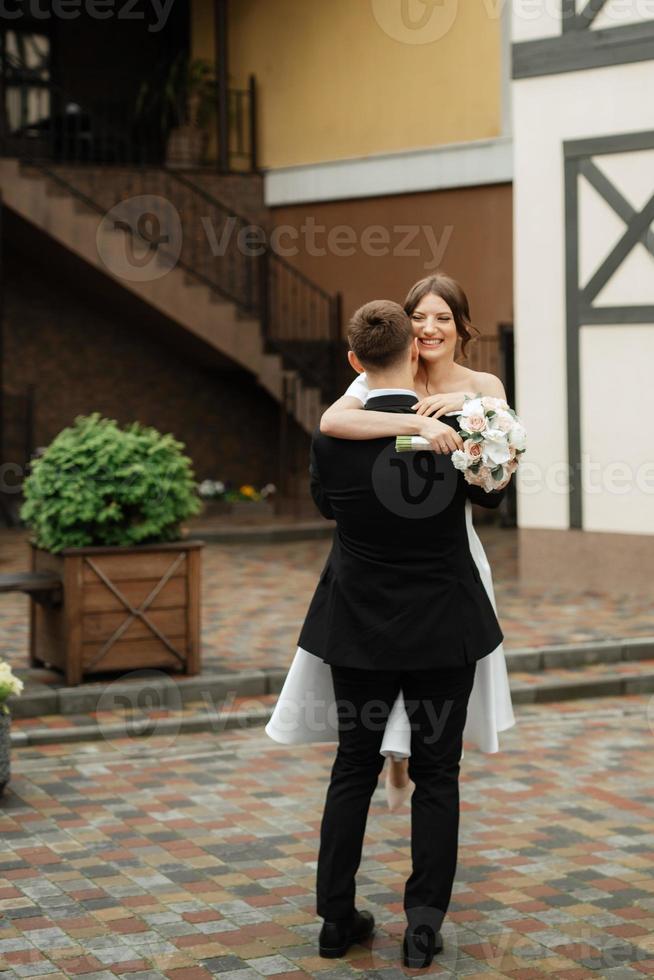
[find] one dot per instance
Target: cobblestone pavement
(551, 587)
(194, 857)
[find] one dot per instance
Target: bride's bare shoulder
(487, 384)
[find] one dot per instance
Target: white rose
(489, 401)
(473, 406)
(495, 448)
(460, 460)
(518, 437)
(503, 421)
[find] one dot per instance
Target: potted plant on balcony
(181, 102)
(105, 505)
(9, 684)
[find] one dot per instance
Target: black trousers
(436, 701)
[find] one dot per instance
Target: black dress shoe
(420, 945)
(336, 937)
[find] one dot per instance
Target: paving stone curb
(608, 685)
(581, 654)
(201, 722)
(216, 721)
(41, 699)
(221, 718)
(172, 692)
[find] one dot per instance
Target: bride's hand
(437, 405)
(441, 437)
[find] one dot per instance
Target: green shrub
(98, 484)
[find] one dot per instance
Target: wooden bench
(44, 587)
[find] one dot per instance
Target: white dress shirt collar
(378, 392)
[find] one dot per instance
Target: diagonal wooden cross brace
(573, 20)
(615, 200)
(136, 612)
(637, 231)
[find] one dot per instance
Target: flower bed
(220, 498)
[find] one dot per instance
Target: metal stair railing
(299, 320)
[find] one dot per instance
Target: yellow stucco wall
(202, 39)
(345, 78)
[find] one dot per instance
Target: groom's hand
(441, 437)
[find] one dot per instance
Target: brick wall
(241, 192)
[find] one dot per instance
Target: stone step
(590, 680)
(216, 702)
(164, 692)
(578, 654)
(196, 716)
(559, 666)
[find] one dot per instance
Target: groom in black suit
(399, 606)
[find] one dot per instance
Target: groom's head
(381, 342)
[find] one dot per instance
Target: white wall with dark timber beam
(584, 288)
(552, 36)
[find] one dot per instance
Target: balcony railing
(40, 120)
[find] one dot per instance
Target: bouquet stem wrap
(407, 444)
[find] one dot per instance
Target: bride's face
(435, 329)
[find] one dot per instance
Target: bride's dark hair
(448, 289)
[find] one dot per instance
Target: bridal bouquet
(493, 436)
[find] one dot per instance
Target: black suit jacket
(400, 588)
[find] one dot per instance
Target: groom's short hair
(379, 333)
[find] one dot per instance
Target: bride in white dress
(306, 708)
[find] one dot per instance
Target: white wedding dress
(306, 708)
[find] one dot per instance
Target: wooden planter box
(123, 609)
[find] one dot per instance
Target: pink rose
(474, 423)
(473, 449)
